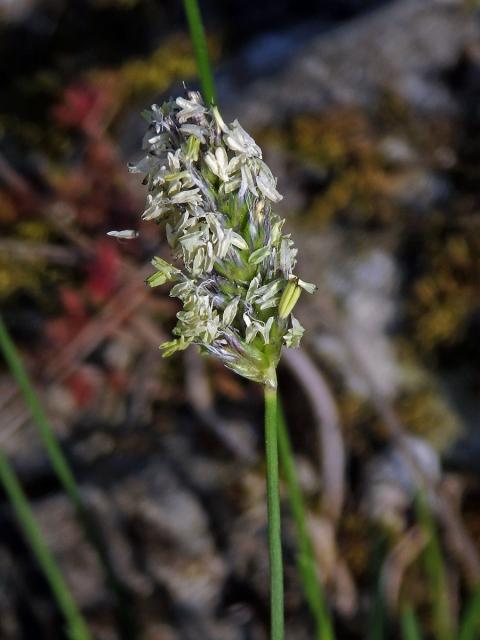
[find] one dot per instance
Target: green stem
(49, 440)
(306, 557)
(377, 621)
(274, 523)
(435, 569)
(409, 624)
(197, 33)
(76, 626)
(470, 623)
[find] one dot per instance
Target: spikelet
(233, 265)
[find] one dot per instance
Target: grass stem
(274, 521)
(435, 570)
(197, 34)
(305, 557)
(409, 624)
(470, 622)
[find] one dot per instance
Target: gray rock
(402, 48)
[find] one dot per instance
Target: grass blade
(127, 626)
(197, 34)
(47, 435)
(435, 570)
(77, 628)
(306, 559)
(377, 619)
(409, 624)
(470, 622)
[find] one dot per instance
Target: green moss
(423, 412)
(21, 276)
(24, 272)
(36, 230)
(136, 79)
(173, 61)
(445, 294)
(354, 536)
(339, 147)
(352, 181)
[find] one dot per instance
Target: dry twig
(326, 417)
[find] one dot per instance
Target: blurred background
(368, 113)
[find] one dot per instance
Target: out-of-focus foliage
(383, 195)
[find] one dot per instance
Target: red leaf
(103, 271)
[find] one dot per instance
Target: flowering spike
(208, 182)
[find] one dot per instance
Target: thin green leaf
(67, 480)
(470, 621)
(49, 440)
(77, 628)
(305, 559)
(377, 623)
(376, 627)
(435, 569)
(409, 624)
